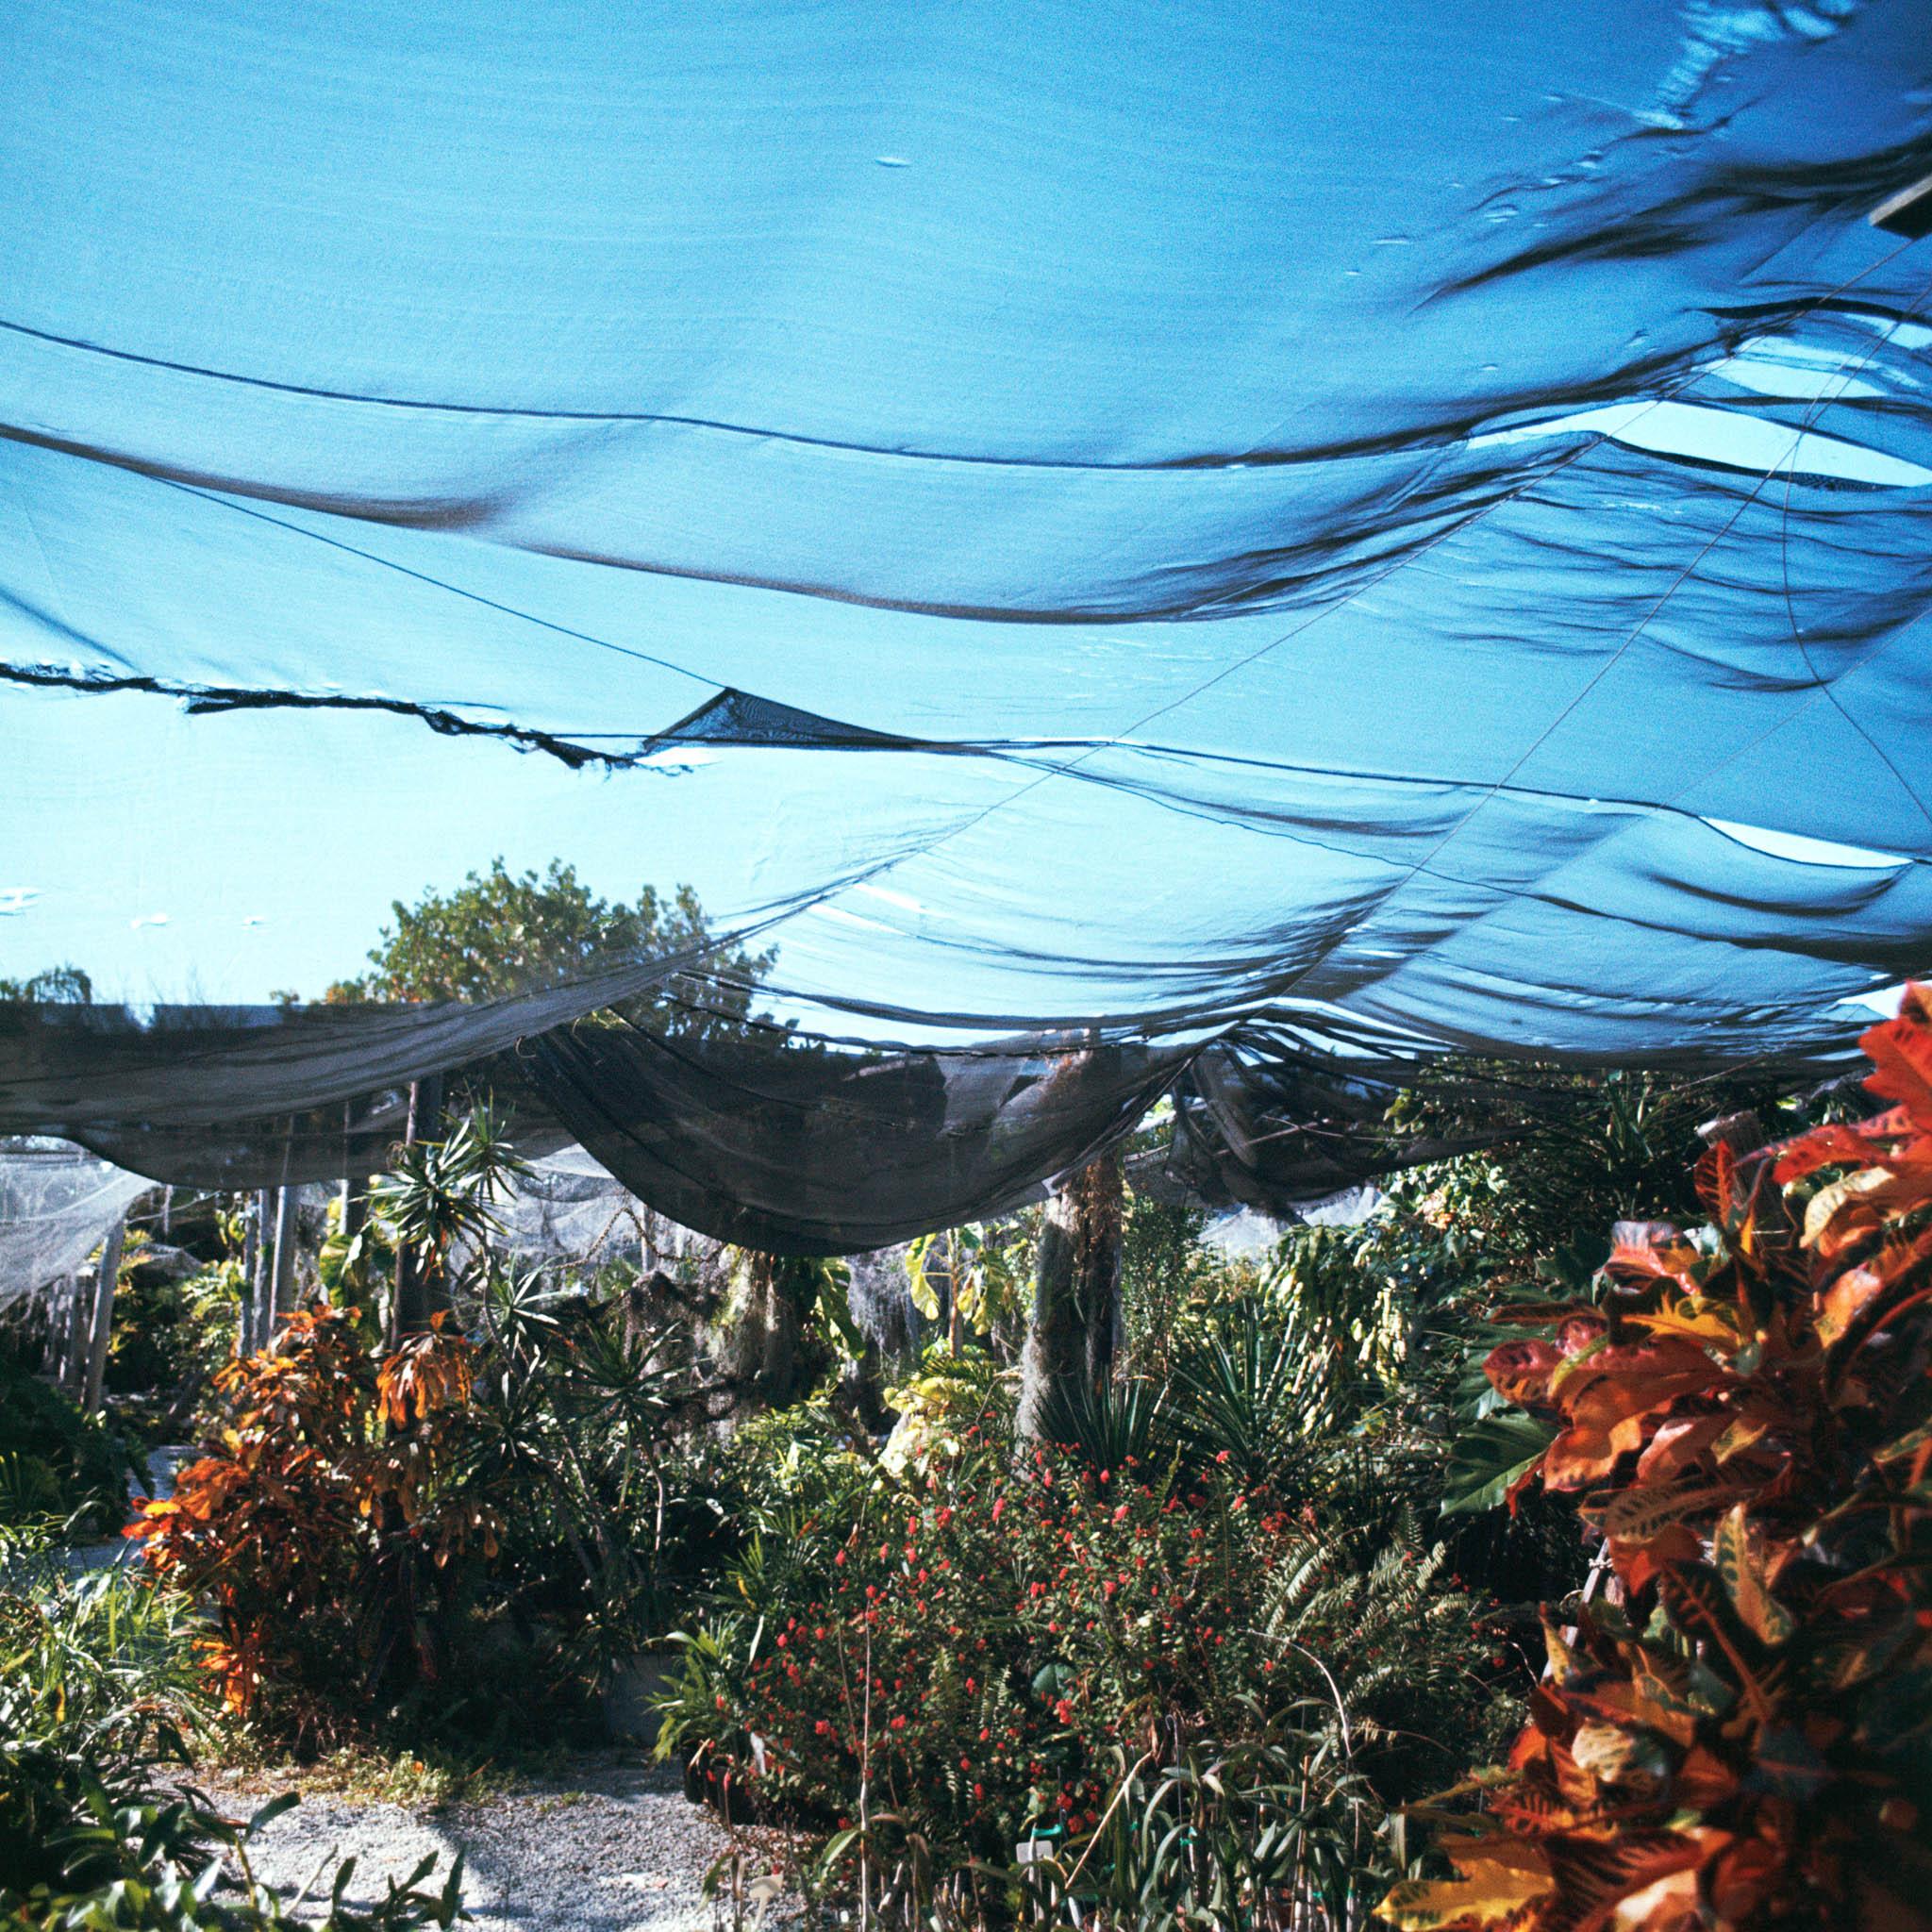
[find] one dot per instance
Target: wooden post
(53, 1341)
(355, 1195)
(102, 1325)
(74, 1357)
(355, 1209)
(245, 1302)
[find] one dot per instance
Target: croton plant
(1736, 1729)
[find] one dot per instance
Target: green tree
(501, 933)
(58, 986)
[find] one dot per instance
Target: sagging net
(1225, 554)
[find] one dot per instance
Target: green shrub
(56, 1461)
(100, 1825)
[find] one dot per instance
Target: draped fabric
(1144, 526)
(802, 1152)
(57, 1205)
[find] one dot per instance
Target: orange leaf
(1501, 1877)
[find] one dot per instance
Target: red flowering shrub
(1746, 1740)
(985, 1642)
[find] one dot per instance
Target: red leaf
(1901, 1051)
(1521, 1370)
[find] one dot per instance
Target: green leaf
(836, 1848)
(1488, 1457)
(282, 1801)
(837, 1313)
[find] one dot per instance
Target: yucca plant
(1114, 1427)
(1237, 1400)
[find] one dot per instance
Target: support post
(353, 1212)
(354, 1208)
(415, 1297)
(79, 1334)
(244, 1301)
(53, 1338)
(101, 1327)
(71, 1334)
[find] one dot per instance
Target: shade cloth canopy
(1101, 535)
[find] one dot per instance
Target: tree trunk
(417, 1296)
(102, 1327)
(282, 1274)
(778, 1364)
(1069, 1337)
(260, 1270)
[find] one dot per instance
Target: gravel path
(609, 1846)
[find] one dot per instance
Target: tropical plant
(100, 1825)
(1744, 1739)
(56, 1459)
(972, 1276)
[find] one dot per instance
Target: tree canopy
(501, 933)
(56, 986)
